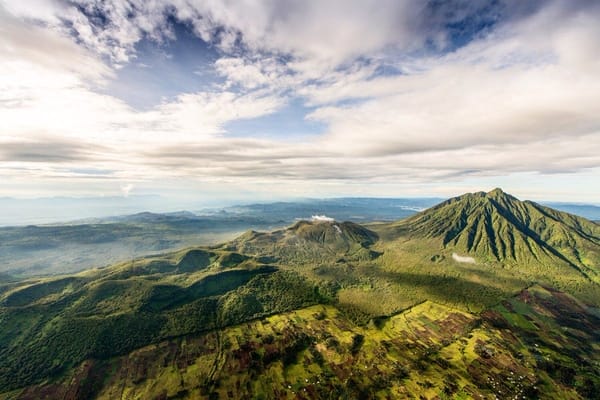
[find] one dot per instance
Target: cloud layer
(407, 93)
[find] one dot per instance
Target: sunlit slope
(50, 324)
(538, 344)
(496, 227)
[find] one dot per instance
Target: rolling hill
(481, 296)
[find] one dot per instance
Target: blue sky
(229, 100)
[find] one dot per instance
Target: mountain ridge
(496, 226)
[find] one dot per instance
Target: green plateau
(481, 296)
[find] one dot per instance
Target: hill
(481, 295)
(496, 228)
(310, 242)
(69, 248)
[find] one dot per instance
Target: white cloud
(51, 116)
(306, 29)
(520, 98)
(468, 99)
(197, 116)
(126, 189)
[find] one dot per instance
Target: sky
(240, 100)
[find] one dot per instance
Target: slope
(310, 242)
(497, 227)
(51, 324)
(538, 344)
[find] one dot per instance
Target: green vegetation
(482, 295)
(54, 324)
(429, 351)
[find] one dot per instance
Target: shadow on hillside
(456, 290)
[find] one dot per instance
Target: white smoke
(321, 218)
(463, 259)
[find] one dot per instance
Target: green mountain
(481, 296)
(310, 241)
(497, 227)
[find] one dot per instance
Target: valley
(480, 296)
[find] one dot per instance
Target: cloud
(126, 189)
(408, 92)
(197, 115)
(21, 42)
(303, 31)
(108, 28)
(241, 72)
(48, 89)
(487, 93)
(50, 150)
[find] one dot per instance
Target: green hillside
(480, 296)
(497, 227)
(310, 242)
(530, 242)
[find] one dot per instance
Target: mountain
(496, 226)
(19, 211)
(313, 241)
(69, 248)
(355, 209)
(481, 296)
(587, 211)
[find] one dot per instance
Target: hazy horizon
(49, 210)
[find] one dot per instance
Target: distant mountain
(587, 211)
(150, 217)
(359, 209)
(19, 212)
(67, 247)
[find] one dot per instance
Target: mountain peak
(496, 192)
(501, 197)
(331, 231)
